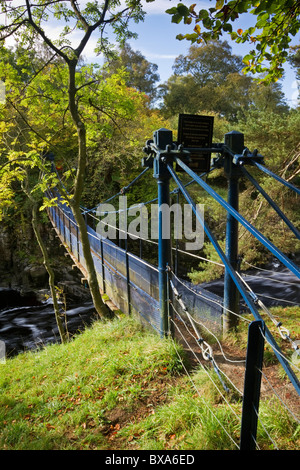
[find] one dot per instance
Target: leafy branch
(275, 23)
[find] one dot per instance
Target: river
(28, 323)
(274, 286)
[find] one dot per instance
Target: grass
(118, 386)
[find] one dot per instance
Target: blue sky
(157, 40)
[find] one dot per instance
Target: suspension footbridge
(154, 292)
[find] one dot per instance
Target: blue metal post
(235, 141)
(163, 255)
(163, 138)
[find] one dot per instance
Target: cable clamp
(206, 350)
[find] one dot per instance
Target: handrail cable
(278, 352)
(219, 344)
(104, 240)
(206, 370)
(264, 269)
(206, 349)
(216, 368)
(200, 294)
(274, 280)
(284, 332)
(271, 202)
(278, 299)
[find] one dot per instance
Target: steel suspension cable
(121, 192)
(269, 245)
(271, 202)
(276, 177)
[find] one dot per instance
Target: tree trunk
(101, 308)
(99, 305)
(47, 264)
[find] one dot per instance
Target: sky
(158, 44)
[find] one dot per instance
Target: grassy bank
(117, 386)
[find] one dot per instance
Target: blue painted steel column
(235, 141)
(163, 256)
(163, 138)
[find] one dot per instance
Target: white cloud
(159, 7)
(157, 55)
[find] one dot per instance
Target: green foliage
(50, 89)
(209, 79)
(274, 24)
(208, 271)
(111, 110)
(141, 74)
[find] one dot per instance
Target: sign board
(196, 131)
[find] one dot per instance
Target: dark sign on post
(195, 132)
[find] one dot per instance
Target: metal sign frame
(195, 132)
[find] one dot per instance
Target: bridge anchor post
(163, 139)
(234, 140)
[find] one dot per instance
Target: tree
(210, 78)
(19, 169)
(211, 62)
(294, 59)
(272, 28)
(142, 74)
(180, 95)
(27, 24)
(35, 204)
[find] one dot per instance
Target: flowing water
(27, 323)
(272, 287)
